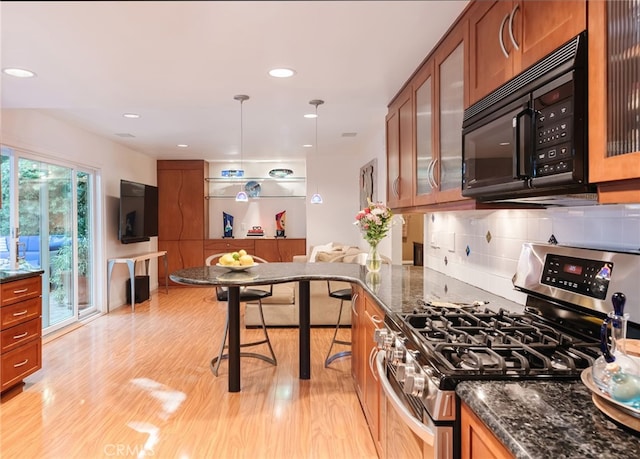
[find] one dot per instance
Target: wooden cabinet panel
(20, 363)
(20, 330)
(272, 250)
(488, 66)
(213, 246)
(280, 249)
(20, 290)
(617, 172)
(478, 442)
(358, 352)
(508, 37)
(14, 337)
(18, 313)
(400, 151)
(180, 254)
(544, 26)
(183, 217)
(373, 319)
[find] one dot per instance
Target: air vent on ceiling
(124, 134)
(349, 134)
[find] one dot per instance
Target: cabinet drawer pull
(21, 335)
(16, 314)
(21, 364)
(22, 290)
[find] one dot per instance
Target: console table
(131, 263)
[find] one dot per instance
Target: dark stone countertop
(396, 288)
(7, 275)
(542, 420)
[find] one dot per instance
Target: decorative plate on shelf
(236, 268)
(280, 173)
(252, 188)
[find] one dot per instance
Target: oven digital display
(587, 277)
(572, 269)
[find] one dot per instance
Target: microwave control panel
(578, 275)
(553, 135)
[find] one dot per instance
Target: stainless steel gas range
(425, 353)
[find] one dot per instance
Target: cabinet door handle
(21, 335)
(511, 16)
(21, 364)
(395, 187)
(376, 320)
(436, 185)
(22, 290)
(17, 314)
(500, 30)
(353, 304)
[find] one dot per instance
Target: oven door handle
(427, 435)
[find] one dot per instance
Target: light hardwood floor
(139, 385)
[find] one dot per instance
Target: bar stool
(344, 294)
(246, 294)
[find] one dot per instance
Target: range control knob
(388, 341)
(397, 356)
(379, 336)
(404, 370)
(414, 385)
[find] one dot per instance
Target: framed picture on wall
(368, 186)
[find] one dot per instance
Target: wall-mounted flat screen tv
(138, 212)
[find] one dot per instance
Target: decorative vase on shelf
(374, 261)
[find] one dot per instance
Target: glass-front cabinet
(440, 97)
(614, 100)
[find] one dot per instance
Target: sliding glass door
(49, 210)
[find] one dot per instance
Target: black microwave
(529, 137)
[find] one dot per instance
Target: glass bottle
(614, 361)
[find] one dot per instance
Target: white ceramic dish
(236, 268)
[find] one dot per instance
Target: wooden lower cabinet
(478, 442)
(272, 250)
(366, 317)
(20, 330)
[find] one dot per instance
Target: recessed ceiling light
(282, 73)
(131, 115)
(183, 145)
(310, 115)
(307, 145)
(20, 73)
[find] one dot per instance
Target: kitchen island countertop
(548, 419)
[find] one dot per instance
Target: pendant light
(242, 195)
(316, 198)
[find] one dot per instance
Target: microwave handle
(520, 150)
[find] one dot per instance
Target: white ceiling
(179, 64)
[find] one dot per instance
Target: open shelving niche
(280, 187)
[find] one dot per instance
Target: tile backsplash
(481, 247)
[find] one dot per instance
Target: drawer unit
(20, 330)
(20, 363)
(20, 312)
(14, 337)
(19, 290)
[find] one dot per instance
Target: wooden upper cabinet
(508, 37)
(424, 99)
(400, 151)
(614, 110)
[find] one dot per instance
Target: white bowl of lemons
(236, 261)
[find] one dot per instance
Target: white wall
(494, 239)
(52, 139)
(336, 174)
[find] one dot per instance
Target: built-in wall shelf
(256, 187)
